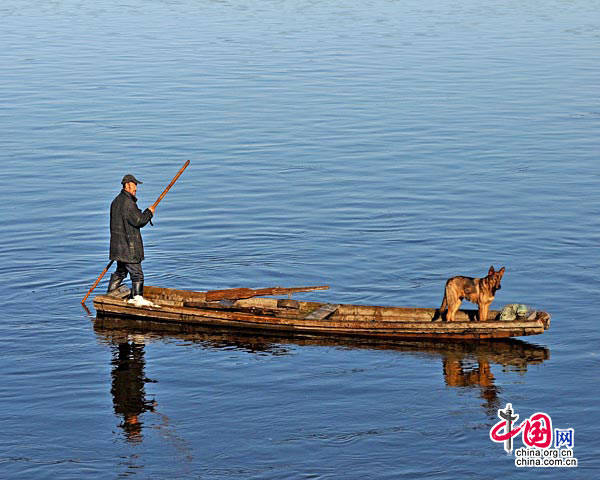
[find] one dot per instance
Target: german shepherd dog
(476, 290)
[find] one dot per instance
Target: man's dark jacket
(126, 219)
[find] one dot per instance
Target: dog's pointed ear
(501, 271)
(491, 270)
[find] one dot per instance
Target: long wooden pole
(97, 282)
(185, 165)
(171, 184)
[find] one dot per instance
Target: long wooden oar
(171, 184)
(185, 165)
(97, 282)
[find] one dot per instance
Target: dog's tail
(442, 308)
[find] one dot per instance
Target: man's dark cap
(130, 178)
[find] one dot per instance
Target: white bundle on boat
(140, 301)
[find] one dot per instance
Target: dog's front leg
(484, 309)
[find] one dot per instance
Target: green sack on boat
(516, 311)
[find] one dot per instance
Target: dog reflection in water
(460, 373)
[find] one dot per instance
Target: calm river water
(378, 147)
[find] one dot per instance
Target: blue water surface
(378, 147)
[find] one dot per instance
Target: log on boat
(240, 293)
(259, 314)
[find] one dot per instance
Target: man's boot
(115, 282)
(137, 289)
(137, 296)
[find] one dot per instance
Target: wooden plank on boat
(172, 296)
(237, 293)
(288, 303)
(231, 306)
(322, 312)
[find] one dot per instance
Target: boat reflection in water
(464, 364)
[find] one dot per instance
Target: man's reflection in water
(128, 380)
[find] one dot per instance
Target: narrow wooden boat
(240, 309)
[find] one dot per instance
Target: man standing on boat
(126, 246)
